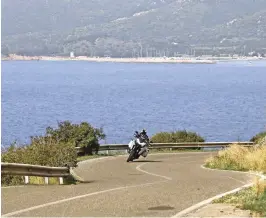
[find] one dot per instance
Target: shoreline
(202, 60)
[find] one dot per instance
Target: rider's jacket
(142, 140)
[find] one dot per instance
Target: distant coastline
(184, 60)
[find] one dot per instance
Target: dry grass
(259, 186)
(240, 158)
(253, 199)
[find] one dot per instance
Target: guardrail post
(61, 181)
(26, 179)
(170, 149)
(46, 180)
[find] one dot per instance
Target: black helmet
(143, 132)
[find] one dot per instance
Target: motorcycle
(134, 149)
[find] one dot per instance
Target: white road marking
(152, 174)
(19, 186)
(233, 171)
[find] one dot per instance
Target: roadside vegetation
(56, 148)
(176, 137)
(259, 137)
(77, 135)
(240, 158)
(253, 199)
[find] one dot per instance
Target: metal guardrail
(111, 147)
(34, 170)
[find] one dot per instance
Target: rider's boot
(142, 150)
(145, 154)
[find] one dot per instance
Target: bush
(56, 148)
(237, 157)
(257, 138)
(42, 151)
(79, 135)
(176, 137)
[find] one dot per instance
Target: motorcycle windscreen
(131, 144)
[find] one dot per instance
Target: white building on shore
(72, 54)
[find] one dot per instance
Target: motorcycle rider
(143, 140)
(143, 134)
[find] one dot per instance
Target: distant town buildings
(72, 54)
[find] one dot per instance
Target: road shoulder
(219, 210)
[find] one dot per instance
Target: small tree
(79, 135)
(177, 137)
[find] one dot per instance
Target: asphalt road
(160, 185)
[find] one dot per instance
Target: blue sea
(222, 102)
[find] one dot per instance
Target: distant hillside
(126, 28)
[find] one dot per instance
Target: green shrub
(9, 180)
(176, 137)
(56, 148)
(257, 138)
(79, 135)
(42, 151)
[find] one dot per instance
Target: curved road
(160, 185)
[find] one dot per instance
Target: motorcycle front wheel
(131, 156)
